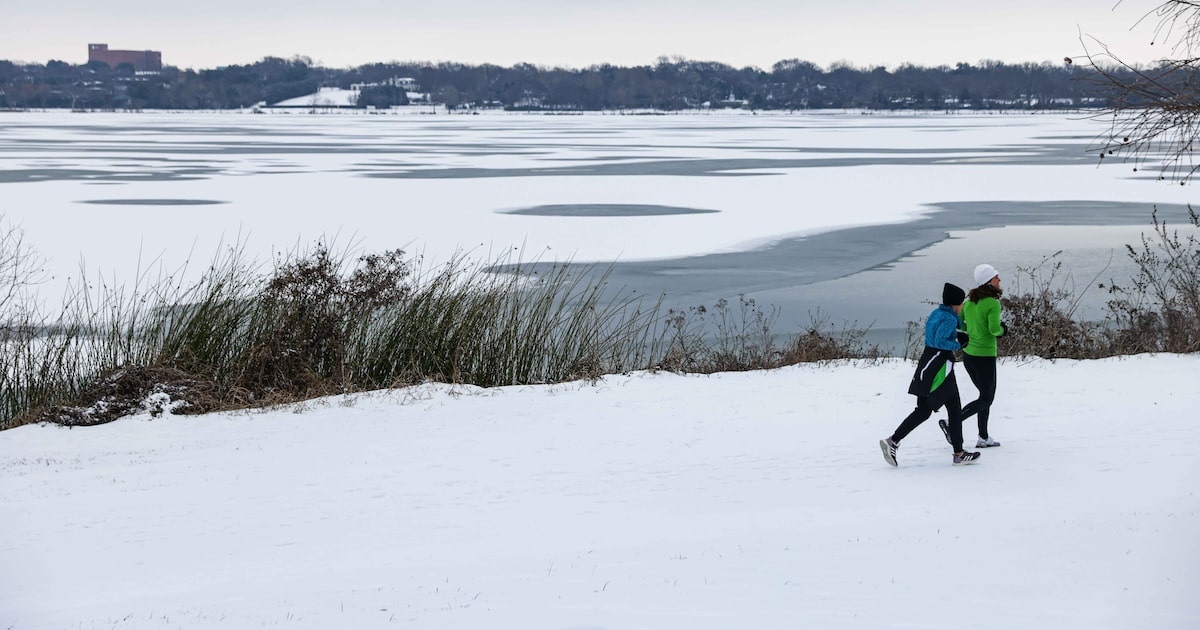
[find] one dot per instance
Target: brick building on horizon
(141, 60)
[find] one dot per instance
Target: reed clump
(322, 322)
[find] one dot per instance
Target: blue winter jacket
(933, 379)
(941, 329)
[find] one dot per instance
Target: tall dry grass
(322, 322)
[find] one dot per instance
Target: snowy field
(702, 206)
(649, 501)
(645, 501)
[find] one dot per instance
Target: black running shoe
(945, 427)
(967, 457)
(889, 450)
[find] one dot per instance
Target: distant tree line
(670, 84)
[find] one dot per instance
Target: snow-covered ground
(651, 501)
(750, 500)
(331, 97)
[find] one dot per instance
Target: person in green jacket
(981, 314)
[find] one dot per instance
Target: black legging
(922, 413)
(982, 371)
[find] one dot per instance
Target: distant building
(141, 60)
(408, 84)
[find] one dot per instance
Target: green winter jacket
(982, 319)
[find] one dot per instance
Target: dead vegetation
(319, 324)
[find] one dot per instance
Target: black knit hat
(952, 295)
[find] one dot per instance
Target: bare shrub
(822, 341)
(1159, 309)
(1040, 315)
(307, 311)
(705, 341)
(684, 347)
(719, 340)
(20, 270)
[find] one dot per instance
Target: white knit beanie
(984, 274)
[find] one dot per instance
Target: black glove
(963, 339)
(1003, 330)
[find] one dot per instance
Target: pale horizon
(756, 33)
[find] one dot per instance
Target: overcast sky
(569, 33)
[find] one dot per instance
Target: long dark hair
(984, 290)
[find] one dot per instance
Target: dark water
(605, 210)
(884, 276)
(153, 202)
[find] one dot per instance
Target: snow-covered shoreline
(643, 501)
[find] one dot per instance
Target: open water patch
(824, 273)
(605, 210)
(87, 175)
(153, 202)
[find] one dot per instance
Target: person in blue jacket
(933, 380)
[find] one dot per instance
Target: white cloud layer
(624, 32)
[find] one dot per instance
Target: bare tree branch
(1154, 113)
(20, 269)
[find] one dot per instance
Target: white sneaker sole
(887, 455)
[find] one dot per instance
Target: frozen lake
(861, 216)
